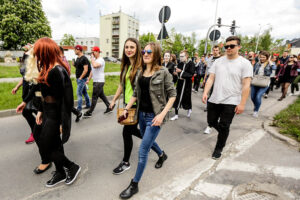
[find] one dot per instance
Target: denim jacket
(267, 70)
(161, 88)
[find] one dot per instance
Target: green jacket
(161, 89)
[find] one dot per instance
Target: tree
(68, 39)
(265, 41)
(146, 38)
(22, 22)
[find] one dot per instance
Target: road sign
(164, 14)
(165, 34)
(214, 35)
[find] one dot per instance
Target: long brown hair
(156, 51)
(47, 53)
(125, 62)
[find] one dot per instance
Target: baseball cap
(78, 47)
(95, 48)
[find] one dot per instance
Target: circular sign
(214, 35)
(166, 13)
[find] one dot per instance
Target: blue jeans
(256, 95)
(81, 90)
(149, 134)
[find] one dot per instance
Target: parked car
(110, 59)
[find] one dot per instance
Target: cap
(95, 48)
(78, 47)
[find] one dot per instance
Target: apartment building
(115, 28)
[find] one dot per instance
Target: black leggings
(98, 92)
(30, 118)
(49, 142)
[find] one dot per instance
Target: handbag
(130, 120)
(260, 80)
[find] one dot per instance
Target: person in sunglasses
(230, 77)
(154, 85)
(130, 64)
(185, 71)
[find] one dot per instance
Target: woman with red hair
(57, 93)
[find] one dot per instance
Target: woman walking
(154, 86)
(130, 64)
(262, 68)
(57, 93)
(287, 75)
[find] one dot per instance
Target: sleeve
(31, 93)
(136, 85)
(102, 62)
(85, 61)
(212, 69)
(247, 70)
(169, 85)
(55, 80)
(189, 71)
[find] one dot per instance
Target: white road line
(212, 190)
(285, 172)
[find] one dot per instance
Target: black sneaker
(87, 114)
(57, 178)
(86, 107)
(123, 166)
(108, 110)
(216, 154)
(161, 160)
(72, 174)
(78, 117)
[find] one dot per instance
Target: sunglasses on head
(149, 51)
(231, 46)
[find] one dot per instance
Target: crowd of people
(152, 83)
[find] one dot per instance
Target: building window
(107, 41)
(107, 54)
(92, 42)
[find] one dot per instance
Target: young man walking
(230, 77)
(98, 66)
(83, 69)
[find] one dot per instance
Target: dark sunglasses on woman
(149, 51)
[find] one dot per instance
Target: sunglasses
(147, 51)
(231, 46)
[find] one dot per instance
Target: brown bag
(130, 120)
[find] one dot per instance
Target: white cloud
(81, 17)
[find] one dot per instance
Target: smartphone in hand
(122, 118)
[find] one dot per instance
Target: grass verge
(288, 120)
(10, 101)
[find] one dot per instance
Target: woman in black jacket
(169, 65)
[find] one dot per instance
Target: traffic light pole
(206, 40)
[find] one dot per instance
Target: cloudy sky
(81, 17)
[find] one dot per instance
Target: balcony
(115, 42)
(115, 50)
(115, 35)
(116, 22)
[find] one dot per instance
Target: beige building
(114, 30)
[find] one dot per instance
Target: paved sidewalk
(5, 80)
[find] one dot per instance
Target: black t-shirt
(79, 63)
(145, 102)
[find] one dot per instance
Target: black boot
(161, 160)
(130, 190)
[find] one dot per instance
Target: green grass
(288, 120)
(14, 72)
(10, 101)
(9, 72)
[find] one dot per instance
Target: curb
(12, 112)
(274, 132)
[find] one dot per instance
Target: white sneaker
(297, 93)
(174, 118)
(255, 114)
(189, 113)
(207, 130)
(291, 94)
(193, 90)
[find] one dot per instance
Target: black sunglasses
(149, 51)
(232, 46)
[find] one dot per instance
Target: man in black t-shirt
(83, 68)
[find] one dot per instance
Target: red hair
(47, 53)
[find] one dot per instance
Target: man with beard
(185, 71)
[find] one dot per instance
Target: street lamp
(260, 26)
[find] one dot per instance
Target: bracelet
(126, 109)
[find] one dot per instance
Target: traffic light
(219, 22)
(232, 28)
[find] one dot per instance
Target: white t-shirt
(98, 73)
(229, 75)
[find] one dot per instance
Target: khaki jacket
(161, 89)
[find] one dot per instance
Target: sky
(81, 18)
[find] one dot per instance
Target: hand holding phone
(122, 118)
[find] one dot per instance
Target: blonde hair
(32, 72)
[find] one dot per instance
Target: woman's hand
(21, 107)
(112, 104)
(158, 119)
(125, 112)
(38, 118)
(14, 91)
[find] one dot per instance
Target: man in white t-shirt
(97, 73)
(231, 76)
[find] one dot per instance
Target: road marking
(212, 190)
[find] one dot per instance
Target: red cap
(78, 47)
(96, 49)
